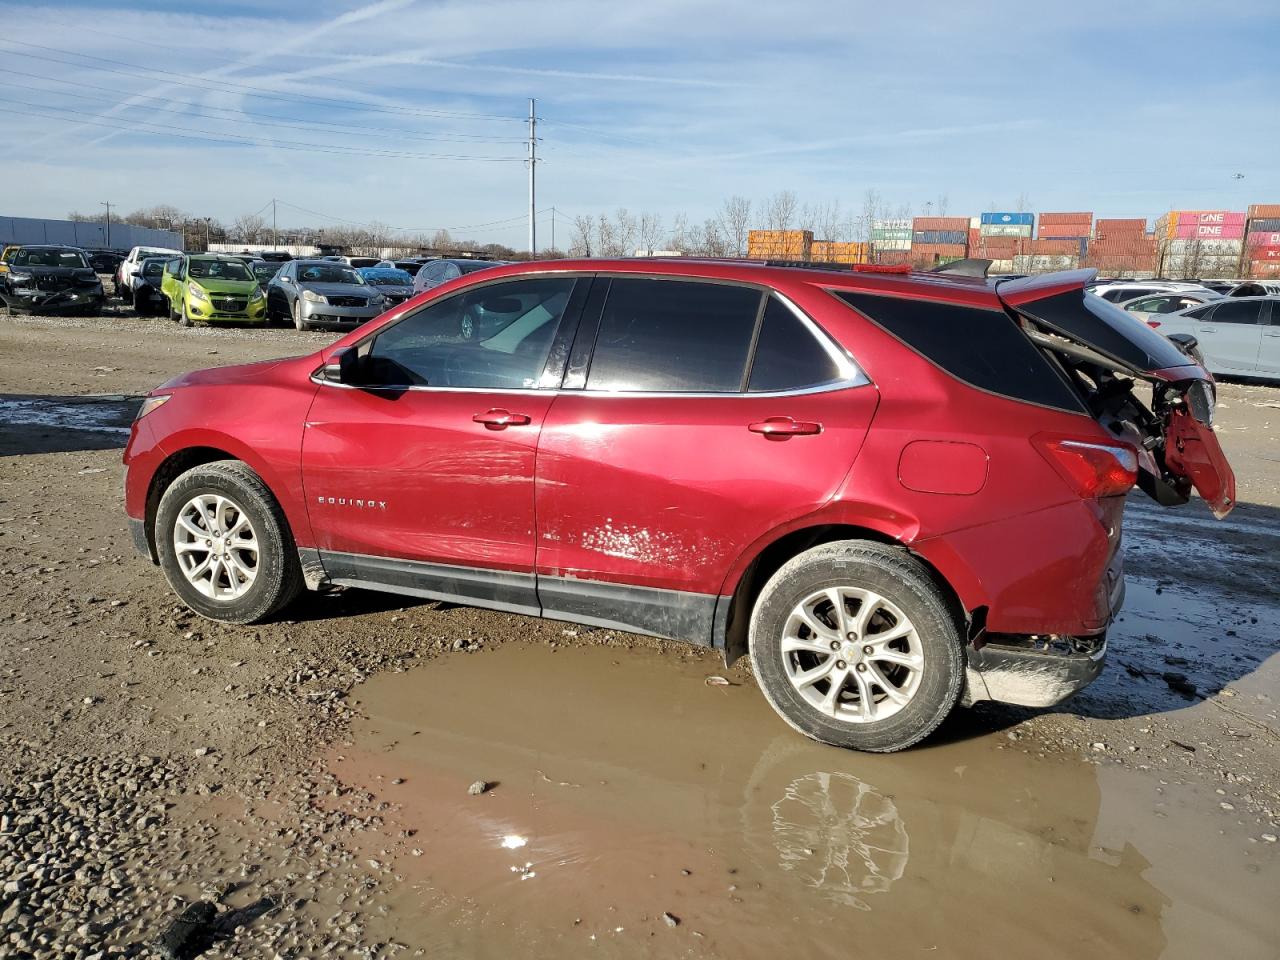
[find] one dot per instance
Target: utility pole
(275, 234)
(206, 233)
(553, 228)
(533, 162)
(107, 204)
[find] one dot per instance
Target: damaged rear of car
(1157, 400)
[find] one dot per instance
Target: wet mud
(625, 788)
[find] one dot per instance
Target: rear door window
(788, 356)
(1237, 311)
(674, 336)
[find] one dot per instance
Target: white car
(1151, 308)
(1119, 291)
(1237, 335)
(129, 265)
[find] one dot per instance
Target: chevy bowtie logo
(353, 502)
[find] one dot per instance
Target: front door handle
(1205, 330)
(781, 428)
(499, 419)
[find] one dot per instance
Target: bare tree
(734, 220)
(622, 233)
(581, 244)
(248, 228)
(1022, 203)
(678, 239)
(944, 202)
(650, 230)
(780, 210)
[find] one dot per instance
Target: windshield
(153, 268)
(470, 266)
(387, 276)
(50, 257)
(219, 270)
(328, 273)
(265, 271)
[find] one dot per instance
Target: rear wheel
(855, 645)
(224, 544)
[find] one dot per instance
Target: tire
(138, 306)
(927, 669)
(184, 318)
(297, 317)
(277, 574)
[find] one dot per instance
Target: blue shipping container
(940, 236)
(1271, 225)
(1021, 219)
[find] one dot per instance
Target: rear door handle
(780, 428)
(1206, 330)
(499, 419)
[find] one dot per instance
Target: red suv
(896, 492)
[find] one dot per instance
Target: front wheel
(224, 544)
(855, 645)
(184, 317)
(297, 316)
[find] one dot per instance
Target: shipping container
(1060, 248)
(1271, 252)
(1000, 266)
(1033, 263)
(893, 223)
(1005, 230)
(1264, 271)
(1062, 231)
(879, 234)
(834, 251)
(779, 244)
(890, 256)
(975, 235)
(1005, 219)
(1261, 211)
(975, 223)
(940, 223)
(1214, 246)
(1208, 231)
(1065, 219)
(925, 252)
(1106, 229)
(1261, 239)
(939, 236)
(891, 244)
(1265, 225)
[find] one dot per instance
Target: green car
(207, 288)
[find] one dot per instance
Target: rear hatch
(1112, 358)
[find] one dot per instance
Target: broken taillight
(1091, 469)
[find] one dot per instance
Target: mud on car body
(895, 492)
(50, 278)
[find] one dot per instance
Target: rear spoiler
(1029, 289)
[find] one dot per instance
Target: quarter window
(674, 336)
(788, 356)
(496, 336)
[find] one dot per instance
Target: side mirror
(345, 367)
(1188, 345)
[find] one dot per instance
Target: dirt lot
(309, 779)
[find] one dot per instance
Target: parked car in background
(105, 261)
(1150, 308)
(1237, 336)
(6, 252)
(148, 294)
(322, 293)
(264, 270)
(435, 272)
(1256, 288)
(50, 278)
(1118, 291)
(1222, 286)
(411, 265)
(785, 463)
(209, 288)
(395, 285)
(129, 266)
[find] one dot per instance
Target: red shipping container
(974, 236)
(1059, 231)
(1051, 218)
(941, 223)
(1209, 217)
(1264, 211)
(1271, 252)
(1262, 240)
(922, 251)
(1109, 229)
(1067, 248)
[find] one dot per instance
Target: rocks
(190, 933)
(479, 787)
(671, 920)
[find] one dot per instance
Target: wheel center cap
(851, 652)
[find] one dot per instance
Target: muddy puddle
(627, 788)
(32, 423)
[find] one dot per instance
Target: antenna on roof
(972, 267)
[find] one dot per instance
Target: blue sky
(1127, 109)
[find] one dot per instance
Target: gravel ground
(153, 761)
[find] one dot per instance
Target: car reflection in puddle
(628, 789)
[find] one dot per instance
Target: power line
(358, 223)
(238, 115)
(235, 140)
(189, 80)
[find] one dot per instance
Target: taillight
(1091, 469)
(1153, 324)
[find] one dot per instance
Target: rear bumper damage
(1033, 671)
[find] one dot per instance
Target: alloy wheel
(852, 654)
(216, 546)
